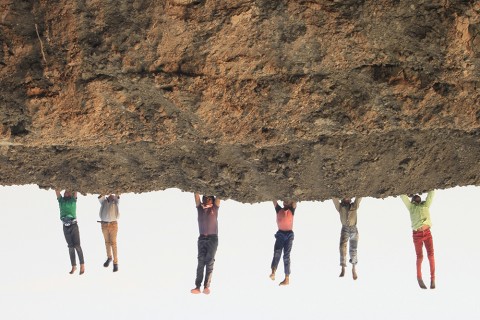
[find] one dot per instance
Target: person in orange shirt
(284, 238)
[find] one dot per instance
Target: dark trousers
(420, 238)
(207, 247)
(284, 241)
(72, 235)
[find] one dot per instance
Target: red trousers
(420, 238)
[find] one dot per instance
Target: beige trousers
(109, 231)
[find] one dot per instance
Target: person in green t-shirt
(68, 215)
(421, 223)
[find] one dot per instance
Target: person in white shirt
(109, 215)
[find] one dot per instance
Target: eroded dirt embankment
(250, 100)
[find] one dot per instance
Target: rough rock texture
(247, 99)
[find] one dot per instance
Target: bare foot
(74, 268)
(343, 272)
(421, 284)
(354, 273)
(285, 282)
(82, 269)
(195, 290)
(432, 284)
(206, 290)
(272, 275)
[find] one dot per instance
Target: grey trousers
(348, 234)
(72, 236)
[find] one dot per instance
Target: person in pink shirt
(284, 238)
(207, 243)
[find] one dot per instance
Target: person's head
(287, 203)
(346, 201)
(416, 199)
(67, 194)
(208, 199)
(111, 197)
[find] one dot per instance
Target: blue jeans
(284, 241)
(348, 233)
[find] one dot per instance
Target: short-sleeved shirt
(208, 220)
(68, 208)
(284, 218)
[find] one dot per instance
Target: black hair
(204, 198)
(415, 196)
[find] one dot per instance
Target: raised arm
(429, 199)
(101, 198)
(217, 201)
(57, 192)
(75, 194)
(197, 199)
(275, 203)
(406, 200)
(336, 202)
(294, 204)
(357, 201)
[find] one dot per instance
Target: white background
(157, 260)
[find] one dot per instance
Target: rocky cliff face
(247, 99)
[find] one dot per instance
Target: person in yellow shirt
(421, 223)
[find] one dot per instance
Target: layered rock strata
(247, 99)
